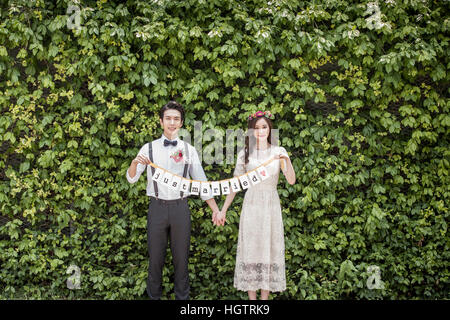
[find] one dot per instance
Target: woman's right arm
(221, 217)
(239, 170)
(228, 201)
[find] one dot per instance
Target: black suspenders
(186, 165)
(150, 154)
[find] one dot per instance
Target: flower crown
(258, 114)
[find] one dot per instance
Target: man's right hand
(142, 160)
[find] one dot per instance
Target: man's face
(171, 122)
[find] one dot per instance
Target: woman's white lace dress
(260, 260)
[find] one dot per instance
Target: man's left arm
(197, 173)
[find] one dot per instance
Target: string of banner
(211, 188)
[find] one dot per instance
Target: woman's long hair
(251, 125)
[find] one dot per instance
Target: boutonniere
(177, 156)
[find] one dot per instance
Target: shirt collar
(164, 137)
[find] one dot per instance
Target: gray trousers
(168, 220)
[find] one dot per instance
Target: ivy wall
(360, 96)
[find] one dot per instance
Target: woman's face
(262, 130)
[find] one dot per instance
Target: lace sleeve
(283, 151)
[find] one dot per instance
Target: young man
(168, 214)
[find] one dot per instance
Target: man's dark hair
(172, 105)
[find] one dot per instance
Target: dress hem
(259, 288)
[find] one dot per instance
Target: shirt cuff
(132, 180)
(204, 198)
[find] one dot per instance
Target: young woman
(260, 251)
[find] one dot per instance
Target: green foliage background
(363, 112)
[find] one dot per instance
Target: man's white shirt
(162, 158)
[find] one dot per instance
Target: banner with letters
(211, 188)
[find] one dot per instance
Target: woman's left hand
(281, 156)
(286, 167)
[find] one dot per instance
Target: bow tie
(167, 142)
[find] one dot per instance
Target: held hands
(219, 217)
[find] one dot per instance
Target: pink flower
(177, 156)
(260, 113)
